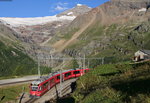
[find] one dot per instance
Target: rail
(55, 92)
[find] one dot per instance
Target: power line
(71, 58)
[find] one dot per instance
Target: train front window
(34, 88)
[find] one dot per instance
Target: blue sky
(38, 8)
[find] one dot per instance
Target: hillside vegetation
(118, 29)
(14, 62)
(115, 83)
(11, 94)
(118, 40)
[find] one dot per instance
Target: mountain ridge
(118, 17)
(107, 30)
(46, 27)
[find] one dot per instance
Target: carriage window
(34, 88)
(67, 74)
(76, 72)
(58, 77)
(45, 85)
(85, 71)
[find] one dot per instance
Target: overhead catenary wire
(71, 58)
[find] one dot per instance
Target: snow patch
(35, 21)
(79, 4)
(70, 13)
(143, 9)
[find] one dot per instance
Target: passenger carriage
(43, 84)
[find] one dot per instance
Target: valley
(111, 33)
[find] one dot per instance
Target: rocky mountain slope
(13, 58)
(114, 29)
(24, 38)
(118, 28)
(40, 30)
(76, 11)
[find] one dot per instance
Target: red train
(42, 85)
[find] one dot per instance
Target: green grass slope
(115, 83)
(11, 94)
(117, 40)
(13, 62)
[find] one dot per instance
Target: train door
(45, 86)
(63, 77)
(52, 82)
(57, 78)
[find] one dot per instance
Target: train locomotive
(43, 84)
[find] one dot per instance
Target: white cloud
(66, 3)
(60, 6)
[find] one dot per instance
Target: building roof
(146, 51)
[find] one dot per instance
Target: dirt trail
(59, 43)
(45, 42)
(76, 35)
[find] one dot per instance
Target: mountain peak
(79, 9)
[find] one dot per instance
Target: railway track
(53, 93)
(63, 92)
(20, 82)
(13, 81)
(32, 100)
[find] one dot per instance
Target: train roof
(43, 78)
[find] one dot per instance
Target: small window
(76, 72)
(58, 77)
(45, 84)
(85, 71)
(67, 74)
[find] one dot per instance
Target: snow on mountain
(79, 9)
(70, 13)
(30, 30)
(35, 20)
(79, 4)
